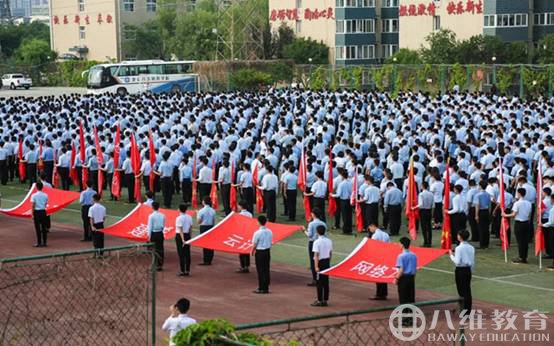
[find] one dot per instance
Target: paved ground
(217, 291)
(40, 91)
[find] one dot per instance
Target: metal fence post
(153, 271)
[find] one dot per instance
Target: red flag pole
(213, 192)
(303, 182)
(135, 164)
(116, 179)
(21, 164)
(332, 209)
(446, 238)
(82, 155)
(411, 202)
(504, 224)
(194, 198)
(357, 206)
(152, 158)
(100, 159)
(539, 235)
(233, 192)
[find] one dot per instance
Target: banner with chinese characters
(308, 14)
(78, 19)
(452, 8)
(375, 261)
(134, 226)
(57, 200)
(234, 234)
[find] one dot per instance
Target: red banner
(134, 226)
(213, 191)
(412, 212)
(194, 198)
(233, 191)
(22, 170)
(100, 160)
(135, 164)
(539, 234)
(72, 171)
(57, 200)
(446, 237)
(55, 175)
(504, 223)
(332, 209)
(234, 234)
(302, 181)
(82, 155)
(375, 261)
(116, 179)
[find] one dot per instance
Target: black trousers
(346, 213)
(175, 179)
(291, 204)
(244, 261)
(208, 254)
(474, 227)
(4, 171)
(158, 239)
(521, 230)
(130, 182)
(320, 204)
(87, 230)
(263, 259)
(98, 237)
(183, 251)
(49, 169)
(248, 196)
(32, 173)
(548, 239)
(225, 196)
(458, 222)
(437, 213)
(385, 217)
(323, 280)
(270, 205)
(406, 292)
(204, 190)
(395, 218)
(426, 226)
(382, 290)
(312, 262)
(372, 213)
(40, 220)
(495, 221)
(64, 177)
(12, 167)
(338, 213)
(167, 191)
(186, 189)
(483, 225)
(463, 285)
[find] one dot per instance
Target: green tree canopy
(544, 54)
(405, 56)
(441, 48)
(12, 35)
(302, 49)
(34, 52)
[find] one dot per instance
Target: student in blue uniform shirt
(377, 234)
(30, 159)
(206, 220)
(464, 260)
(482, 203)
(244, 259)
(185, 177)
(343, 193)
(290, 192)
(318, 194)
(311, 233)
(156, 226)
(405, 277)
(393, 207)
(86, 201)
(39, 201)
(165, 171)
(522, 213)
(262, 241)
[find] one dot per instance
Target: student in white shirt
(464, 260)
(97, 217)
(244, 259)
(521, 212)
(323, 250)
(178, 319)
(183, 229)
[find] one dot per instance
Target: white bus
(131, 77)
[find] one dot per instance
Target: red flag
(446, 237)
(135, 164)
(213, 192)
(332, 202)
(257, 191)
(152, 157)
(357, 206)
(40, 163)
(194, 198)
(82, 155)
(302, 180)
(55, 175)
(116, 179)
(412, 212)
(100, 159)
(539, 234)
(233, 191)
(72, 171)
(504, 223)
(22, 170)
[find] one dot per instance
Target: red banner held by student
(57, 200)
(332, 208)
(40, 161)
(21, 165)
(446, 237)
(152, 159)
(100, 160)
(375, 261)
(234, 234)
(82, 155)
(412, 212)
(116, 178)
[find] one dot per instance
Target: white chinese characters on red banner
(292, 14)
(430, 9)
(376, 271)
(77, 19)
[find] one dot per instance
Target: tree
(544, 54)
(283, 37)
(441, 48)
(302, 49)
(34, 52)
(145, 42)
(198, 42)
(12, 35)
(405, 56)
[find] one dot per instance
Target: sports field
(519, 286)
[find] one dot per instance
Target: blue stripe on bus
(188, 84)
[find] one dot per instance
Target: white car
(16, 80)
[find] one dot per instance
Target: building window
(81, 5)
(355, 52)
(346, 3)
(339, 26)
(150, 5)
(298, 26)
(357, 26)
(129, 5)
(490, 21)
(366, 3)
(339, 53)
(298, 3)
(339, 3)
(544, 18)
(436, 23)
(366, 52)
(389, 50)
(82, 33)
(390, 25)
(508, 20)
(390, 3)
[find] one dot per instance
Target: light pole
(494, 70)
(310, 62)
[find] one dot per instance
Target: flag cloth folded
(446, 237)
(116, 179)
(213, 191)
(57, 200)
(134, 226)
(82, 155)
(233, 191)
(135, 164)
(375, 261)
(539, 234)
(152, 159)
(22, 169)
(504, 223)
(100, 160)
(332, 209)
(234, 234)
(412, 212)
